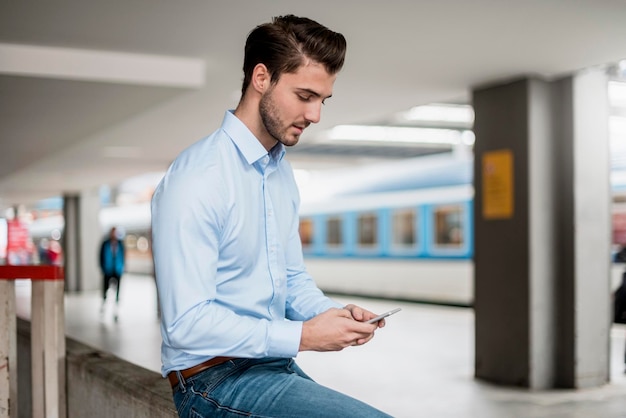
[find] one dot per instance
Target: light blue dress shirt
(228, 257)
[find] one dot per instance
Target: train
(401, 230)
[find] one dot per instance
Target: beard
(272, 122)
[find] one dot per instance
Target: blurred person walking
(112, 257)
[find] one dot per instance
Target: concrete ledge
(99, 384)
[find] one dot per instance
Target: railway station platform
(419, 365)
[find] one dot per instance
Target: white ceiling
(117, 88)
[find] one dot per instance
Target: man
(236, 301)
(112, 256)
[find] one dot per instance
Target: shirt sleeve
(187, 217)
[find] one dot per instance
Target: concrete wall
(99, 385)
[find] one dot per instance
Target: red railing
(47, 341)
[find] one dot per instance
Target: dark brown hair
(283, 45)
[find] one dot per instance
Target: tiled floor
(420, 365)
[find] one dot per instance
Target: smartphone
(385, 315)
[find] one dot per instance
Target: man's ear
(261, 78)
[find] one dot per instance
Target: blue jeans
(269, 387)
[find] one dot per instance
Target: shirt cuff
(285, 338)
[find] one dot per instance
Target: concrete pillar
(71, 242)
(584, 265)
(91, 236)
(81, 240)
(542, 232)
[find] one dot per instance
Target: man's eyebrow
(314, 93)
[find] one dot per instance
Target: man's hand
(363, 315)
(337, 329)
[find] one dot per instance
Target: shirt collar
(248, 144)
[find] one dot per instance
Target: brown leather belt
(192, 371)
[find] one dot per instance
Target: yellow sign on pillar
(497, 170)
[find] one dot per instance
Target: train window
(306, 232)
(449, 226)
(367, 230)
(403, 232)
(334, 235)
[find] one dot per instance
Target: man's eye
(305, 98)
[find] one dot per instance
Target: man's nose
(313, 112)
